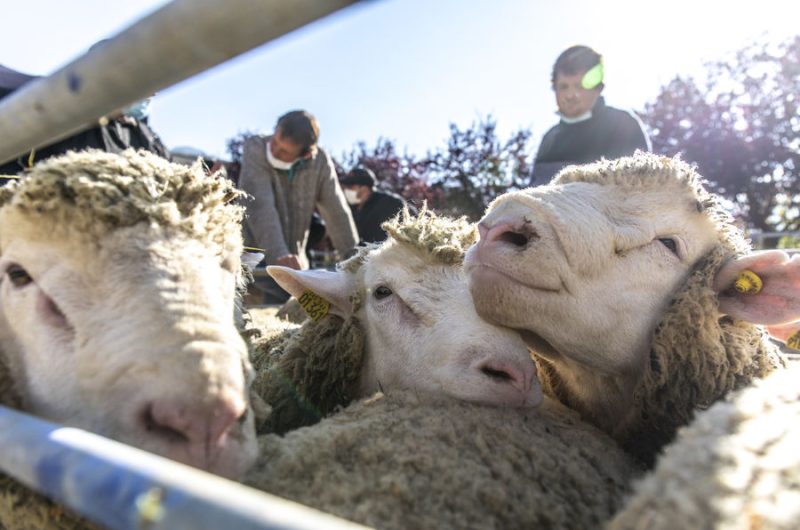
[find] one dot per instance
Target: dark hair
(300, 127)
(360, 176)
(574, 60)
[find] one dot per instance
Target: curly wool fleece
(92, 192)
(398, 461)
(735, 466)
(697, 355)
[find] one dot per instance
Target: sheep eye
(670, 244)
(382, 292)
(18, 276)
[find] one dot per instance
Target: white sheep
(415, 460)
(619, 275)
(736, 466)
(396, 316)
(423, 456)
(116, 305)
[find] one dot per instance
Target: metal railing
(177, 41)
(125, 488)
(766, 240)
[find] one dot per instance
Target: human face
(355, 193)
(284, 149)
(573, 100)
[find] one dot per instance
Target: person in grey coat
(287, 177)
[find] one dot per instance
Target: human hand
(289, 260)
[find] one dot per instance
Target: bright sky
(405, 69)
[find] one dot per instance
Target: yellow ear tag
(314, 305)
(748, 282)
(794, 341)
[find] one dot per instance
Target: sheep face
(422, 330)
(130, 335)
(602, 258)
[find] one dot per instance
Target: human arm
(261, 216)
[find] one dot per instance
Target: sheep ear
(773, 296)
(333, 287)
(787, 333)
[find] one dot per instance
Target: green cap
(593, 76)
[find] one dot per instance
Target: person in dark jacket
(369, 206)
(589, 129)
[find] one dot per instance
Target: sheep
(400, 316)
(619, 276)
(116, 307)
(416, 457)
(735, 466)
(400, 460)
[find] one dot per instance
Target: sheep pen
(620, 276)
(116, 312)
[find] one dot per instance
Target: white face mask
(278, 164)
(352, 197)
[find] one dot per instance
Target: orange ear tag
(314, 305)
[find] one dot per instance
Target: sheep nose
(517, 235)
(201, 428)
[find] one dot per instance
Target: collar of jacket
(599, 104)
(299, 164)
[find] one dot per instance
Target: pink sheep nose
(201, 428)
(517, 235)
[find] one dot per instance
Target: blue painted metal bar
(125, 488)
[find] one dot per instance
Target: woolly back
(307, 374)
(697, 355)
(93, 192)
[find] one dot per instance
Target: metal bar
(125, 488)
(179, 40)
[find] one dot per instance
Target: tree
(402, 174)
(476, 167)
(235, 148)
(742, 128)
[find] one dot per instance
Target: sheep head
(410, 297)
(117, 302)
(609, 273)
